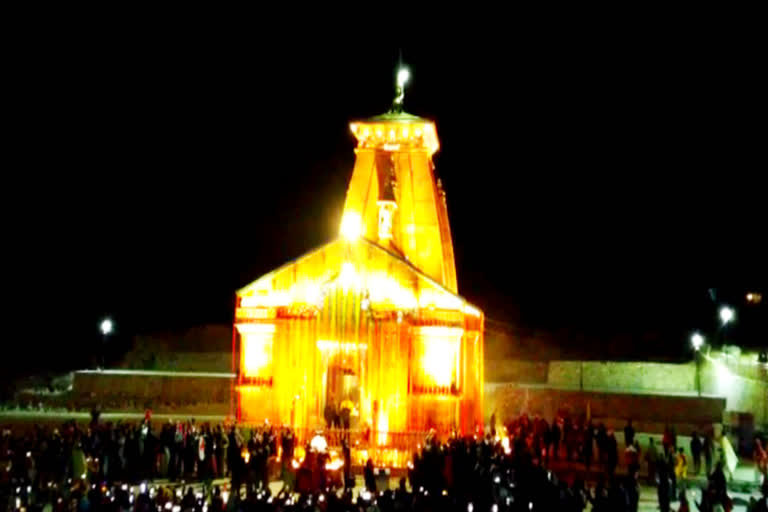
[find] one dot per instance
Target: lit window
(437, 360)
(256, 353)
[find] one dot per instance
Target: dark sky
(597, 184)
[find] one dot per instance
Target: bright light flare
(697, 340)
(403, 75)
(257, 352)
(383, 427)
(726, 314)
(348, 276)
(351, 225)
(440, 355)
(106, 326)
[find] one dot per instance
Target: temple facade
(371, 321)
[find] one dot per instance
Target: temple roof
(393, 117)
(326, 263)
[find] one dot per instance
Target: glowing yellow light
(348, 276)
(437, 299)
(441, 331)
(379, 133)
(405, 132)
(382, 428)
(257, 349)
(334, 464)
(470, 310)
(391, 134)
(417, 132)
(345, 346)
(351, 225)
(353, 127)
(266, 299)
(439, 358)
(505, 445)
(256, 328)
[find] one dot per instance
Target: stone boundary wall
(150, 389)
(634, 376)
(649, 413)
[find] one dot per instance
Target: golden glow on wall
(348, 277)
(351, 225)
(326, 345)
(257, 350)
(437, 350)
(382, 429)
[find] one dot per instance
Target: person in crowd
(368, 476)
(631, 459)
(684, 506)
(651, 459)
(696, 449)
(681, 468)
(555, 435)
(611, 454)
(329, 413)
(761, 461)
(345, 413)
(717, 483)
(629, 433)
(601, 440)
(587, 446)
(708, 449)
(663, 489)
(670, 459)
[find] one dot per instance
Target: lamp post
(726, 316)
(105, 327)
(697, 341)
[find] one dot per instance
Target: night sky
(594, 185)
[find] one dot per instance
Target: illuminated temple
(372, 318)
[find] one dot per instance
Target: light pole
(726, 316)
(697, 340)
(105, 327)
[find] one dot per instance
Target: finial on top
(402, 77)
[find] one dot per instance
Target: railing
(391, 449)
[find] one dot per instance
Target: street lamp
(697, 340)
(726, 315)
(106, 326)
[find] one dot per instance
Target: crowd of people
(522, 465)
